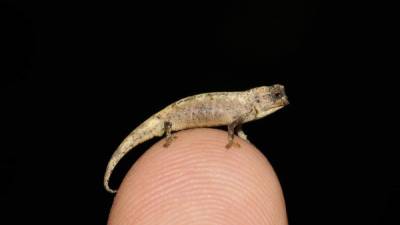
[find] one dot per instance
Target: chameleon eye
(278, 95)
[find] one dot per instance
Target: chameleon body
(203, 110)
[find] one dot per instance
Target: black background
(76, 78)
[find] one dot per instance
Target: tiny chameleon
(203, 110)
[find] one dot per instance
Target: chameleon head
(268, 99)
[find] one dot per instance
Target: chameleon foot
(169, 140)
(233, 143)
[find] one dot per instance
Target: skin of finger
(196, 180)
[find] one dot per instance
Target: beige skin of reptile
(203, 110)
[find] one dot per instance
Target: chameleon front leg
(241, 133)
(239, 129)
(167, 130)
(231, 132)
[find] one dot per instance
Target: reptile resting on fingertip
(203, 110)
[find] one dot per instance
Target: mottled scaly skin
(203, 110)
(206, 110)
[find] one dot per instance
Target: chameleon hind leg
(170, 136)
(231, 132)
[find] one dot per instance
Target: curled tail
(147, 130)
